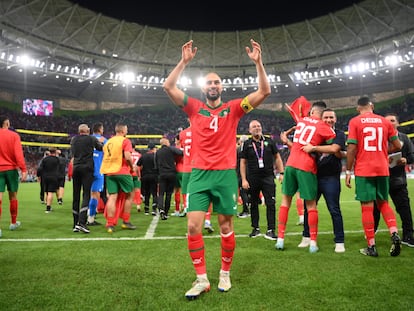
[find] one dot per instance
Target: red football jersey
(213, 133)
(179, 160)
(371, 133)
(185, 139)
(135, 155)
(309, 130)
(11, 151)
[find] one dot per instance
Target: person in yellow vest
(117, 165)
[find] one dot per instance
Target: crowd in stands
(155, 121)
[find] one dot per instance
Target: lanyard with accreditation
(259, 159)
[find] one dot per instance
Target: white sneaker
(199, 286)
(208, 227)
(313, 247)
(15, 226)
(304, 243)
(280, 244)
(339, 248)
(224, 284)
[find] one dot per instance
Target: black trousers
(401, 200)
(244, 195)
(265, 184)
(42, 189)
(166, 185)
(149, 187)
(82, 181)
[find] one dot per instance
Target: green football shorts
(296, 180)
(220, 187)
(114, 183)
(371, 188)
(10, 179)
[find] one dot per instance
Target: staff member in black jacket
(50, 174)
(81, 147)
(167, 175)
(398, 185)
(149, 178)
(259, 156)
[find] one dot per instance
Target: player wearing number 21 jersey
(370, 138)
(372, 132)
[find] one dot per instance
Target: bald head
(83, 129)
(255, 129)
(164, 141)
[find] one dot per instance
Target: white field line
(150, 236)
(151, 229)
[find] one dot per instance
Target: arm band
(245, 105)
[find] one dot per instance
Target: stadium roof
(214, 16)
(93, 49)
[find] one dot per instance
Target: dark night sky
(210, 16)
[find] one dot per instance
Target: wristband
(348, 172)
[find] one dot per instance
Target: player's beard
(213, 97)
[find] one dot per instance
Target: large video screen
(38, 107)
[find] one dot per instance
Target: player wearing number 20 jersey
(309, 130)
(300, 173)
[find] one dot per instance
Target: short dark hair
(3, 118)
(364, 101)
(328, 109)
(97, 126)
(320, 104)
(318, 107)
(392, 114)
